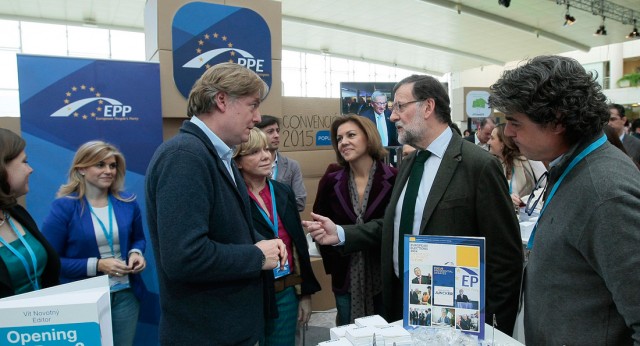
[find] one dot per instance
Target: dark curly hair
(553, 90)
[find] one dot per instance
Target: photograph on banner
(373, 101)
(444, 285)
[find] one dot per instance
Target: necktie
(381, 130)
(409, 204)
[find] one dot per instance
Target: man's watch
(264, 260)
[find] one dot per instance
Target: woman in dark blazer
(97, 230)
(18, 230)
(355, 191)
(275, 215)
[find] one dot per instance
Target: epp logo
(85, 102)
(207, 34)
(470, 278)
(323, 138)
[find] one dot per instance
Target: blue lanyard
(274, 224)
(33, 279)
(108, 235)
(593, 146)
(513, 172)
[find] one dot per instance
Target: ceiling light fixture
(634, 33)
(568, 18)
(601, 30)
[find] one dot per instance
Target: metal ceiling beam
(604, 8)
(396, 39)
(463, 9)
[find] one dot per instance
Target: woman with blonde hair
(354, 191)
(96, 228)
(275, 215)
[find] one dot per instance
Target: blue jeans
(124, 317)
(343, 305)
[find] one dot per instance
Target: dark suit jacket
(469, 197)
(288, 214)
(392, 133)
(333, 200)
(471, 138)
(632, 146)
(52, 268)
(203, 239)
(424, 280)
(462, 298)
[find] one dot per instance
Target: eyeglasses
(380, 103)
(398, 107)
(533, 201)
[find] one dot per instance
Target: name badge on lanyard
(277, 272)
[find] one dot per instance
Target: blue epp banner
(207, 34)
(65, 102)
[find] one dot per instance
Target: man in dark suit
(467, 196)
(380, 115)
(617, 121)
(413, 297)
(420, 279)
(462, 298)
(634, 130)
(210, 260)
(482, 135)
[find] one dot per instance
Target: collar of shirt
(622, 136)
(222, 149)
(477, 141)
(440, 144)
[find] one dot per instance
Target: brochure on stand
(77, 313)
(444, 283)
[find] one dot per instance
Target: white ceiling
(426, 35)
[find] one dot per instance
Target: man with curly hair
(581, 282)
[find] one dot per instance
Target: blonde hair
(257, 141)
(90, 154)
(230, 78)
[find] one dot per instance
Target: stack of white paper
(360, 335)
(337, 342)
(371, 321)
(77, 313)
(392, 335)
(340, 331)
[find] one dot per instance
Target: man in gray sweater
(581, 281)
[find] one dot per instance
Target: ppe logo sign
(208, 34)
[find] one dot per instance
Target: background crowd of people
(223, 213)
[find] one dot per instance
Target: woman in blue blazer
(96, 228)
